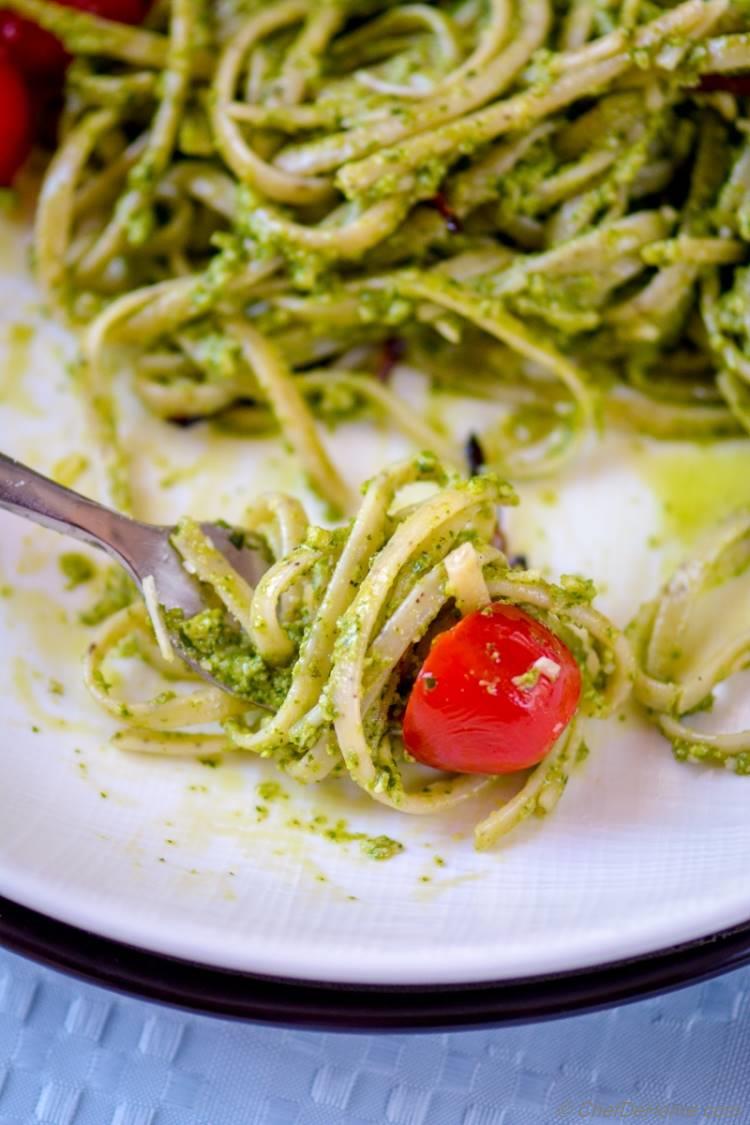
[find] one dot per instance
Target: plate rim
(324, 1006)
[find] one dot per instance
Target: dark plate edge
(286, 1002)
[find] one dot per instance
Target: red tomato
(36, 52)
(39, 53)
(46, 107)
(16, 132)
(482, 704)
(738, 84)
(123, 11)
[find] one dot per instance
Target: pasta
(265, 205)
(255, 199)
(321, 650)
(682, 658)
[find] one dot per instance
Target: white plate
(173, 857)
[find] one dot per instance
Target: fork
(144, 550)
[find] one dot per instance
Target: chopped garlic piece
(466, 579)
(550, 669)
(154, 611)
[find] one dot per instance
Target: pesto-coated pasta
(319, 649)
(683, 657)
(265, 204)
(555, 194)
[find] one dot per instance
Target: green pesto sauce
(374, 847)
(271, 791)
(17, 354)
(698, 487)
(119, 591)
(528, 680)
(76, 568)
(68, 469)
(227, 654)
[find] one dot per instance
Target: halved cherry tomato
(493, 695)
(16, 131)
(39, 53)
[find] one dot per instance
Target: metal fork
(143, 549)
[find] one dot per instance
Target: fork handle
(27, 493)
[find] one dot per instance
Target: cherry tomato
(493, 695)
(123, 11)
(738, 84)
(46, 107)
(40, 54)
(16, 131)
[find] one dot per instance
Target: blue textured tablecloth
(73, 1054)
